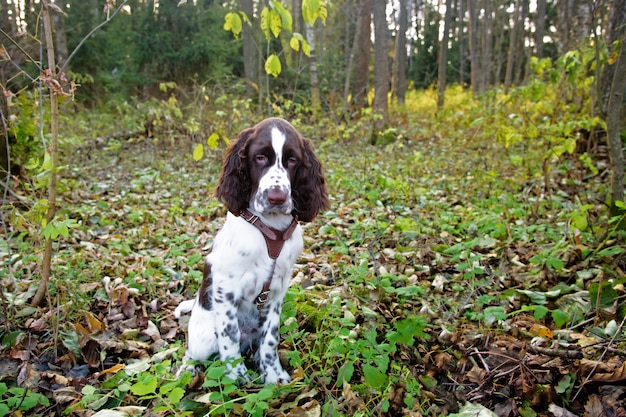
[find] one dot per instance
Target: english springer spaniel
(270, 180)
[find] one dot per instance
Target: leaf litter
(441, 281)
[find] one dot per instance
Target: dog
(270, 181)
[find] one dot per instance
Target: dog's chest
(240, 261)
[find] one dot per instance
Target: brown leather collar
(274, 240)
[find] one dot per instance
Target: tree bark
(381, 66)
(443, 55)
(315, 87)
(400, 58)
(540, 24)
(473, 44)
(361, 50)
(521, 51)
(510, 64)
(487, 48)
(613, 122)
(616, 30)
(250, 52)
(60, 39)
(460, 35)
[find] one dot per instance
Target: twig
(618, 331)
(6, 35)
(477, 353)
(559, 353)
(91, 32)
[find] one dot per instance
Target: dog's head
(272, 169)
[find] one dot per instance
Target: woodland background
(472, 262)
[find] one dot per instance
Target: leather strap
(274, 240)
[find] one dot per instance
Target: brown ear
(234, 188)
(309, 188)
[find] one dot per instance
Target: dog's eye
(260, 159)
(292, 161)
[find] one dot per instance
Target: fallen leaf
(617, 375)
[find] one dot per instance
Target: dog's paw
(184, 307)
(238, 372)
(276, 375)
(186, 367)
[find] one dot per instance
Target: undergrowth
(456, 257)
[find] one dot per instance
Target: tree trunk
(381, 67)
(400, 58)
(487, 48)
(250, 52)
(540, 24)
(616, 30)
(315, 87)
(613, 122)
(473, 45)
(443, 55)
(521, 52)
(460, 35)
(510, 63)
(361, 50)
(574, 21)
(60, 39)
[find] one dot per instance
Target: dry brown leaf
(41, 323)
(601, 406)
(476, 375)
(541, 331)
(352, 401)
(619, 374)
(114, 369)
(65, 395)
(442, 359)
(93, 323)
(608, 366)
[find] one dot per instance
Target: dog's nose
(276, 196)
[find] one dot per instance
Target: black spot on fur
(206, 288)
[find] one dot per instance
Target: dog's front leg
(229, 335)
(269, 363)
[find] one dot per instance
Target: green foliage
(25, 117)
(17, 399)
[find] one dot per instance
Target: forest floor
(443, 279)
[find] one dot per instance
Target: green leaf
(273, 66)
(540, 312)
(145, 387)
(345, 373)
(312, 10)
(294, 44)
(493, 314)
(428, 381)
(213, 140)
(232, 23)
(555, 263)
(175, 395)
(286, 21)
(373, 376)
(559, 317)
(198, 152)
(272, 22)
(610, 252)
(47, 162)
